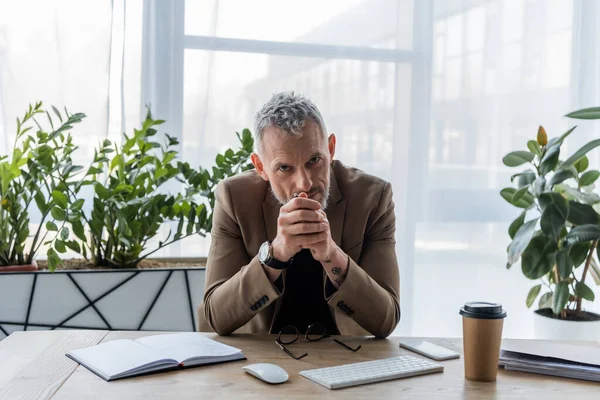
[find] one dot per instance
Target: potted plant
(36, 174)
(133, 189)
(129, 207)
(556, 235)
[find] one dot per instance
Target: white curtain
(426, 94)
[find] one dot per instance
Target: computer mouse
(269, 373)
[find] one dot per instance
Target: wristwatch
(265, 256)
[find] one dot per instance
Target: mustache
(311, 192)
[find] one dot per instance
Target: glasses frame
(324, 335)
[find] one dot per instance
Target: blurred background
(429, 95)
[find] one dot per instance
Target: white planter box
(149, 299)
(556, 329)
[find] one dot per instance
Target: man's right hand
(299, 225)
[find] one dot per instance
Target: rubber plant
(37, 174)
(556, 235)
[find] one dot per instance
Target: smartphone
(429, 349)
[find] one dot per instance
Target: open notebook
(125, 358)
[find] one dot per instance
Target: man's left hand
(333, 259)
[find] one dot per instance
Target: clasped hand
(302, 224)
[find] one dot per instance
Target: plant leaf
(78, 204)
(559, 140)
(524, 178)
(549, 160)
(116, 161)
(581, 214)
(60, 199)
(534, 147)
(519, 194)
(532, 295)
(581, 164)
(553, 220)
(51, 226)
(513, 159)
(521, 241)
(574, 194)
(585, 113)
(545, 300)
(561, 296)
(539, 185)
(589, 177)
(579, 252)
(73, 245)
(58, 214)
(53, 259)
(102, 192)
(560, 176)
(583, 233)
(191, 216)
(582, 290)
(525, 202)
(59, 245)
(78, 230)
(564, 263)
(539, 257)
(557, 199)
(516, 224)
(581, 152)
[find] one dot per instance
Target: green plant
(131, 203)
(40, 170)
(556, 235)
(228, 163)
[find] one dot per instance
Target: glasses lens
(288, 335)
(315, 332)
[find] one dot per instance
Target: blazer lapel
(336, 208)
(271, 208)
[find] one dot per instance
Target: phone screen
(429, 349)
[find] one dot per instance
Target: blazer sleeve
(370, 292)
(236, 287)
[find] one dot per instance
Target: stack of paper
(569, 361)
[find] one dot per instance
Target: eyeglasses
(289, 334)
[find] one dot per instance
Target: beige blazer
(240, 298)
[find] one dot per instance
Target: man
(302, 238)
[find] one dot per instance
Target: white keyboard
(361, 373)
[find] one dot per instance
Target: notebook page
(184, 346)
(117, 357)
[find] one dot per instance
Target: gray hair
(289, 112)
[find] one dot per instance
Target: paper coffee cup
(482, 335)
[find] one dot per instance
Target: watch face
(263, 253)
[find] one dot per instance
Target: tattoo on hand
(336, 270)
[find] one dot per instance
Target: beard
(324, 191)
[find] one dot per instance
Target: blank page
(184, 346)
(117, 357)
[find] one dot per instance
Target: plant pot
(20, 268)
(547, 327)
(156, 299)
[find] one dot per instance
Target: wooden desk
(33, 365)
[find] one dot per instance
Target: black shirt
(303, 302)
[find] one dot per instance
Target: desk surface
(33, 365)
